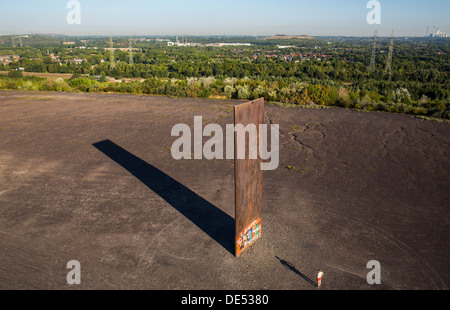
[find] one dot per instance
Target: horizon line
(210, 35)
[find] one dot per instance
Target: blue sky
(231, 17)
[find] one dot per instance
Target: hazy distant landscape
(285, 70)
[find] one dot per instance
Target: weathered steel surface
(248, 178)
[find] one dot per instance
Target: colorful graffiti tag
(248, 236)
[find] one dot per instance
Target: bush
(11, 85)
(75, 76)
(15, 74)
(229, 91)
(242, 92)
(76, 83)
(204, 93)
(110, 89)
(322, 95)
(174, 90)
(83, 88)
(45, 86)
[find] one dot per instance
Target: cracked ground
(90, 177)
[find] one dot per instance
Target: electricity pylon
(20, 40)
(130, 53)
(372, 66)
(388, 70)
(111, 53)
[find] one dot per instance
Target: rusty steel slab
(248, 176)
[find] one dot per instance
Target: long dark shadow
(291, 267)
(213, 221)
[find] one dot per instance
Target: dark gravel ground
(90, 177)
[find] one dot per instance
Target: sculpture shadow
(210, 219)
(291, 267)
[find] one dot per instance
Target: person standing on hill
(319, 278)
